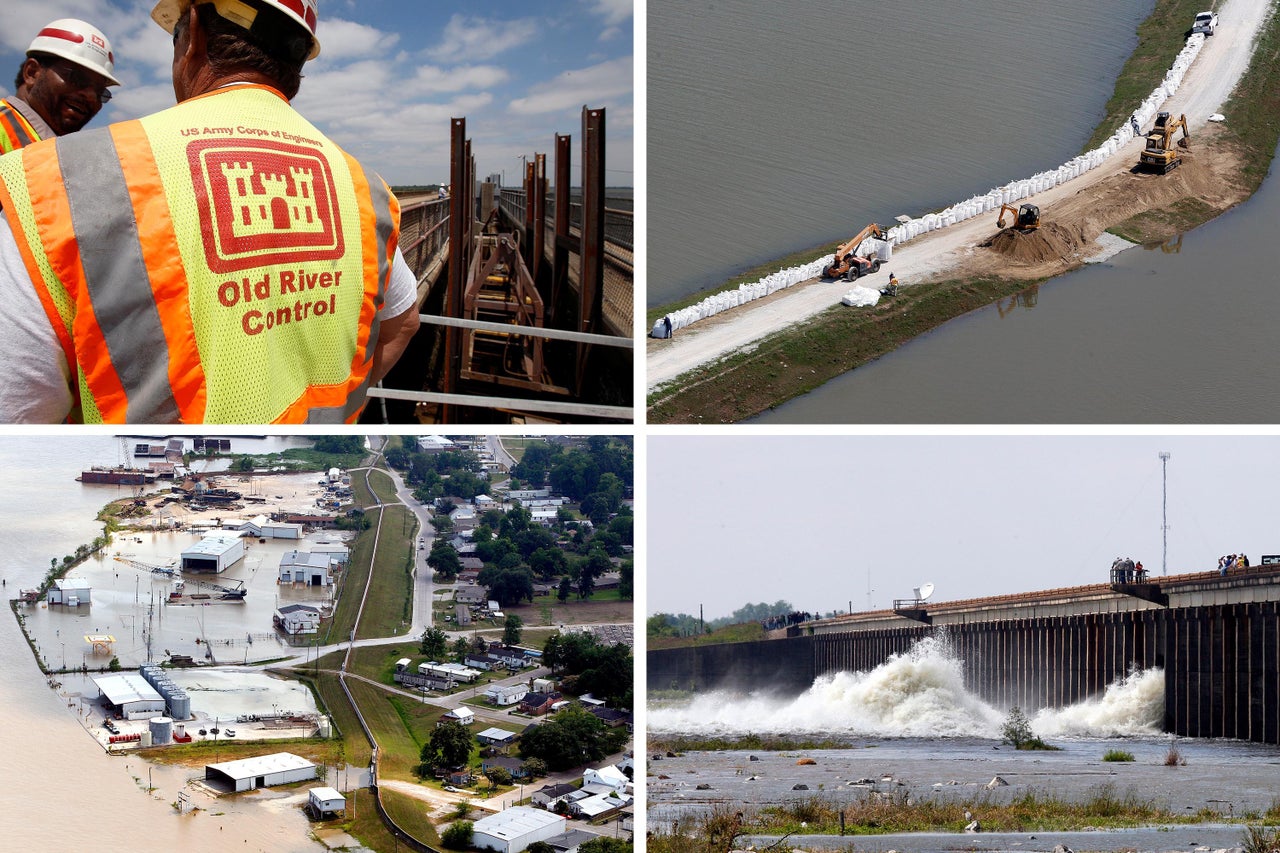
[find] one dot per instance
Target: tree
(512, 630)
(449, 746)
(565, 589)
(571, 738)
(605, 844)
(507, 586)
(536, 768)
(498, 775)
(540, 847)
(548, 563)
(1017, 729)
(626, 581)
(458, 835)
(339, 443)
(461, 648)
(435, 643)
(444, 560)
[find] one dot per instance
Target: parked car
(1206, 22)
(452, 789)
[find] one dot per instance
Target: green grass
(354, 578)
(741, 633)
(383, 486)
(1117, 755)
(387, 609)
(400, 726)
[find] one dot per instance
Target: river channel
(776, 127)
(63, 792)
(1164, 334)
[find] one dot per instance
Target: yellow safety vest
(217, 262)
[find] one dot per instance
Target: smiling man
(61, 85)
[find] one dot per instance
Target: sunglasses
(79, 78)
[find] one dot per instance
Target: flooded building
(297, 619)
(215, 553)
(306, 567)
(69, 591)
(129, 696)
(278, 768)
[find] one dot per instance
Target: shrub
(1174, 758)
(458, 835)
(1117, 755)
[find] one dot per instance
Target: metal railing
(619, 218)
(424, 231)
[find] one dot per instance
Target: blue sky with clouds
(392, 73)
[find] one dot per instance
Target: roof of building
(312, 559)
(326, 794)
(71, 583)
(555, 791)
(215, 544)
(516, 821)
(126, 688)
(571, 839)
(276, 762)
(299, 608)
(496, 734)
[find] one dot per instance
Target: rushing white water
(1131, 706)
(920, 694)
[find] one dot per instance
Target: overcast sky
(391, 74)
(809, 519)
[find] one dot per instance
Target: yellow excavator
(849, 264)
(1025, 218)
(1160, 155)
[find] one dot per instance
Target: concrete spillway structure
(1216, 638)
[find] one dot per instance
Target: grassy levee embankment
(790, 363)
(388, 610)
(383, 486)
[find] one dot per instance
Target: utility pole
(1164, 510)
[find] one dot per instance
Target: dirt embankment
(1141, 205)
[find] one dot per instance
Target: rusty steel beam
(563, 240)
(459, 243)
(591, 276)
(538, 203)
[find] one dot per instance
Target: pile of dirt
(1049, 242)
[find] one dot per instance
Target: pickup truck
(1206, 22)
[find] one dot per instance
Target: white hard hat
(78, 42)
(305, 12)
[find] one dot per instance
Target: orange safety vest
(220, 261)
(15, 131)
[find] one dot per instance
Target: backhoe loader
(1160, 155)
(1025, 218)
(851, 265)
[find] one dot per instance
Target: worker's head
(217, 40)
(65, 76)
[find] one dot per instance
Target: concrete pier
(1217, 639)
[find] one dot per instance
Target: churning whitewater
(918, 694)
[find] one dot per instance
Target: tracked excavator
(848, 263)
(1160, 155)
(1025, 218)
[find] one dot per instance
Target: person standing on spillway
(220, 261)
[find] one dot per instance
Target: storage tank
(144, 739)
(161, 730)
(323, 726)
(179, 704)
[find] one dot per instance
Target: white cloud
(614, 12)
(341, 39)
(479, 38)
(595, 86)
(432, 79)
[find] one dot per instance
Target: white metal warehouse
(279, 768)
(214, 553)
(130, 696)
(514, 829)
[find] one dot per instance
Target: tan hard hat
(305, 12)
(79, 42)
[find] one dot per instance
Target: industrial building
(130, 696)
(297, 619)
(514, 829)
(261, 527)
(325, 803)
(216, 553)
(69, 591)
(278, 768)
(307, 567)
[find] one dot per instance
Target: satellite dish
(924, 592)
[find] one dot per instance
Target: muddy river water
(62, 792)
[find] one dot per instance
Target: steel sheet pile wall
(1221, 662)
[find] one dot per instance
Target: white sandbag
(860, 297)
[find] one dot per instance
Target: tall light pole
(1164, 510)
